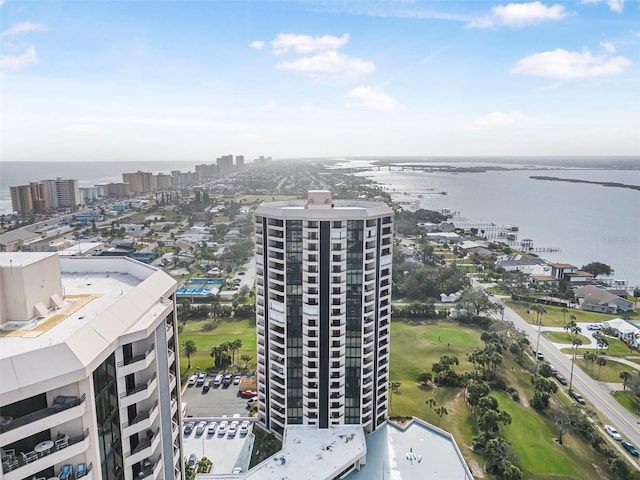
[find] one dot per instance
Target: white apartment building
(323, 308)
(89, 372)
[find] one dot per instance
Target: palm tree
(601, 361)
(189, 348)
(625, 376)
(440, 412)
(564, 313)
(234, 346)
(575, 344)
(245, 358)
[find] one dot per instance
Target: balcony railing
(60, 403)
(138, 388)
(137, 358)
(21, 459)
(141, 416)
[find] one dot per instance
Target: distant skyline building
(323, 311)
(226, 165)
(89, 369)
(45, 195)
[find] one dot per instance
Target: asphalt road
(596, 395)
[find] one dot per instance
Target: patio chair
(30, 457)
(66, 472)
(62, 441)
(81, 470)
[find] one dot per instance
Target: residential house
(626, 331)
(515, 261)
(594, 299)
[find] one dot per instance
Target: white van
(218, 380)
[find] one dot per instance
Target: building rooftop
(416, 451)
(312, 453)
(103, 297)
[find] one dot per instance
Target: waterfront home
(579, 278)
(559, 270)
(515, 261)
(546, 280)
(594, 299)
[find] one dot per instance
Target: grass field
(225, 331)
(628, 401)
(617, 348)
(554, 316)
(607, 373)
(414, 349)
(563, 337)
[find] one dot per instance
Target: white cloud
(23, 27)
(373, 98)
(520, 15)
(608, 46)
(331, 62)
(14, 63)
(563, 64)
(258, 44)
(614, 5)
(306, 44)
(498, 120)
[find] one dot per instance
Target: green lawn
(628, 401)
(532, 438)
(415, 348)
(617, 348)
(607, 373)
(554, 316)
(225, 331)
(563, 337)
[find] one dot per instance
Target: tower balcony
(136, 363)
(139, 393)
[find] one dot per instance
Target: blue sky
(194, 80)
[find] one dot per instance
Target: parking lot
(226, 452)
(219, 400)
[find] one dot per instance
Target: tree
(476, 302)
(597, 268)
(189, 348)
(440, 412)
(562, 418)
(601, 361)
(234, 346)
(626, 377)
(246, 358)
(424, 378)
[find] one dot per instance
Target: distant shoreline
(576, 180)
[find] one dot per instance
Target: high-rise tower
(323, 309)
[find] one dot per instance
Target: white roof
(312, 453)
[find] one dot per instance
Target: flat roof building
(323, 310)
(89, 373)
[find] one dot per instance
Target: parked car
(554, 371)
(192, 380)
(188, 427)
(201, 378)
(540, 356)
(200, 428)
(248, 393)
(561, 379)
(236, 380)
(205, 387)
(233, 428)
(192, 459)
(578, 397)
(222, 428)
(237, 470)
(628, 446)
(252, 400)
(594, 327)
(244, 427)
(212, 427)
(613, 433)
